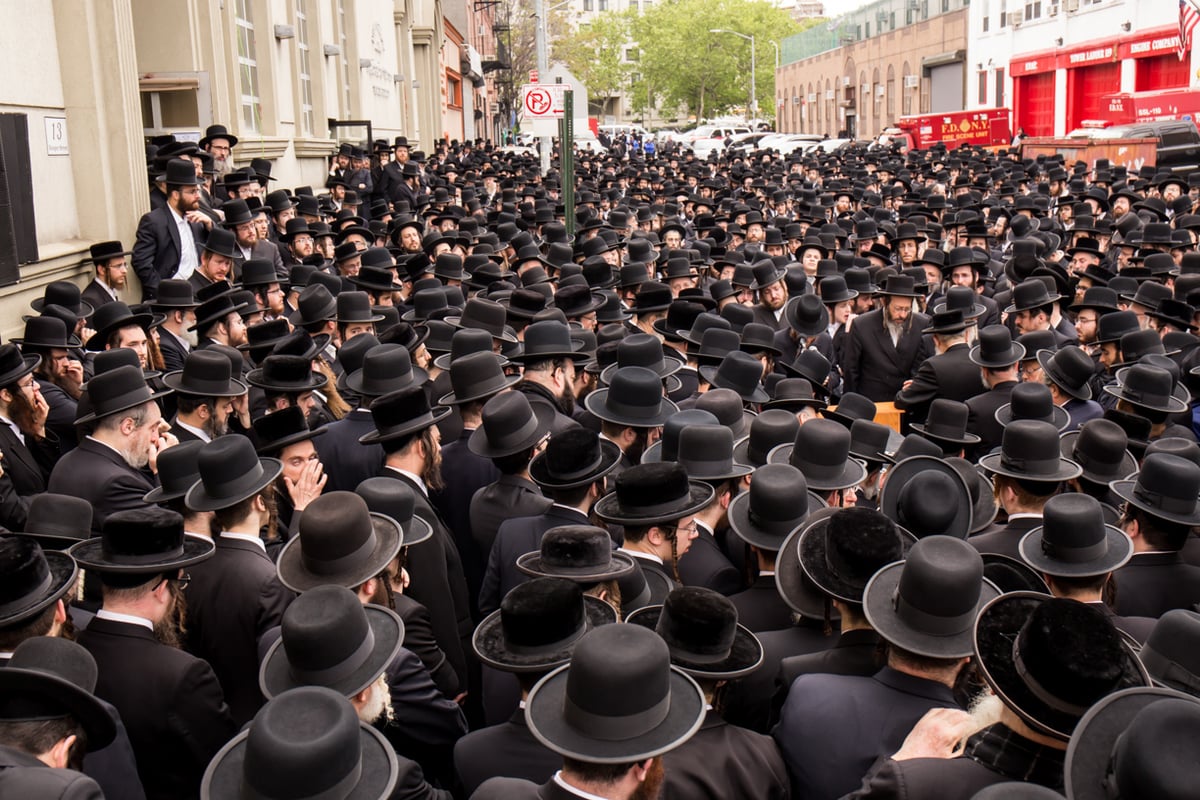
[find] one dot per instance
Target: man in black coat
(235, 597)
(884, 347)
(170, 701)
(706, 452)
(950, 374)
(108, 467)
(997, 356)
(169, 239)
(111, 268)
(29, 451)
(175, 300)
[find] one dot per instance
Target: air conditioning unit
(845, 80)
(1015, 18)
(1052, 11)
(912, 81)
(914, 5)
(1071, 6)
(879, 90)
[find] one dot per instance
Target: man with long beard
(219, 143)
(549, 377)
(28, 454)
(205, 390)
(170, 701)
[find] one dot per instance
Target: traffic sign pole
(567, 145)
(543, 66)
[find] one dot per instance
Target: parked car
(1178, 141)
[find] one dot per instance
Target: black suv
(1178, 141)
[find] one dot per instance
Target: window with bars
(344, 43)
(999, 87)
(247, 67)
(305, 68)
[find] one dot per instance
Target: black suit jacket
(515, 538)
(171, 704)
(437, 582)
(98, 474)
(1005, 539)
(704, 564)
(157, 251)
(96, 295)
(1152, 584)
(348, 463)
(950, 375)
(748, 699)
(509, 497)
(61, 420)
(28, 463)
(234, 598)
(265, 250)
(723, 761)
(506, 750)
(834, 727)
(760, 608)
(419, 638)
(173, 353)
(981, 417)
(854, 654)
(464, 474)
(765, 316)
(23, 776)
(872, 365)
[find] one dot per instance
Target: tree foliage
(596, 54)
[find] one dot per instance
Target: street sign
(533, 76)
(543, 100)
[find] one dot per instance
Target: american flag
(1188, 17)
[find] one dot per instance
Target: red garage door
(1034, 103)
(1162, 72)
(1088, 90)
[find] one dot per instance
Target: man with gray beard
(109, 467)
(176, 336)
(219, 143)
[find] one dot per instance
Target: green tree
(704, 73)
(596, 55)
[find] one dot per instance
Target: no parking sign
(543, 100)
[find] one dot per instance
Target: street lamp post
(753, 65)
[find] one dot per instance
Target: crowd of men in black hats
(409, 489)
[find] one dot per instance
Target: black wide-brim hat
(853, 471)
(534, 429)
(25, 685)
(234, 491)
(1172, 404)
(1117, 551)
(994, 463)
(22, 366)
(61, 573)
(899, 476)
(607, 460)
(997, 629)
(534, 565)
(609, 508)
(597, 403)
(1088, 770)
(748, 527)
(798, 591)
(258, 377)
(1011, 574)
(544, 713)
(1126, 491)
(419, 423)
(811, 551)
(276, 675)
(295, 574)
(491, 647)
(964, 439)
(879, 604)
(90, 553)
(745, 654)
(378, 775)
(1059, 417)
(99, 340)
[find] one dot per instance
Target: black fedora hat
(1133, 743)
(547, 340)
(340, 542)
(117, 390)
(821, 450)
(179, 172)
(215, 309)
(946, 423)
(396, 501)
(205, 373)
(329, 638)
(1032, 401)
(814, 367)
(706, 452)
(65, 294)
(963, 299)
(1070, 368)
(286, 374)
(927, 604)
(899, 286)
(618, 701)
(142, 541)
(230, 471)
(1029, 450)
(765, 514)
(928, 497)
(793, 394)
(538, 624)
(634, 397)
(111, 317)
(33, 578)
(178, 472)
(280, 429)
(386, 368)
(175, 294)
(1100, 448)
(739, 372)
(701, 630)
(1171, 653)
(768, 430)
(402, 413)
(217, 132)
(652, 494)
(510, 424)
(50, 677)
(983, 500)
(1030, 294)
(13, 365)
(464, 342)
(1147, 386)
(46, 332)
(581, 553)
(643, 350)
(1073, 541)
(996, 348)
(806, 315)
(872, 442)
(1049, 659)
(1166, 487)
(315, 304)
(476, 376)
(485, 315)
(355, 307)
(574, 457)
(307, 742)
(667, 446)
(57, 521)
(850, 407)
